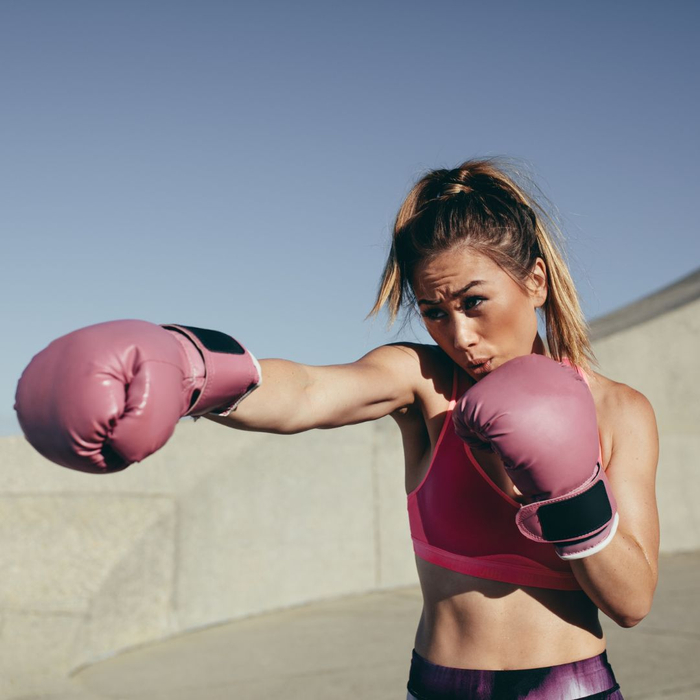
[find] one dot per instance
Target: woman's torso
(470, 622)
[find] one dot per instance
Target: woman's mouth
(481, 366)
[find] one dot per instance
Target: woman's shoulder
(613, 394)
(423, 352)
(620, 407)
(427, 367)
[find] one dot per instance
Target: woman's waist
(497, 626)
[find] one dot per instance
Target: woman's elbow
(628, 621)
(631, 617)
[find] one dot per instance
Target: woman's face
(475, 311)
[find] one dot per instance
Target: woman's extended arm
(295, 397)
(621, 578)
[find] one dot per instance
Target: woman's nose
(465, 335)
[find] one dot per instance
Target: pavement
(360, 648)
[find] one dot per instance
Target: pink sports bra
(462, 521)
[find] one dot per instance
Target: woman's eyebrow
(454, 295)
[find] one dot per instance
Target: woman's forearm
(278, 405)
(620, 580)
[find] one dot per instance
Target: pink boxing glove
(539, 416)
(103, 397)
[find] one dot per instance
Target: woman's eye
(469, 304)
(472, 302)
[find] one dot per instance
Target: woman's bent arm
(621, 578)
(295, 397)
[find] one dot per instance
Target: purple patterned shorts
(591, 678)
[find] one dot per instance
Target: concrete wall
(659, 357)
(219, 524)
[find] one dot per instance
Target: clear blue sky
(238, 165)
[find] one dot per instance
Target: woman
(503, 615)
(471, 254)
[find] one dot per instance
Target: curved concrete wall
(219, 524)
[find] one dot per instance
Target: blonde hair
(479, 205)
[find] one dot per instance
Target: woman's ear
(537, 283)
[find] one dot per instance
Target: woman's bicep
(374, 386)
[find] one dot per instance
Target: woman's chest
(425, 431)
